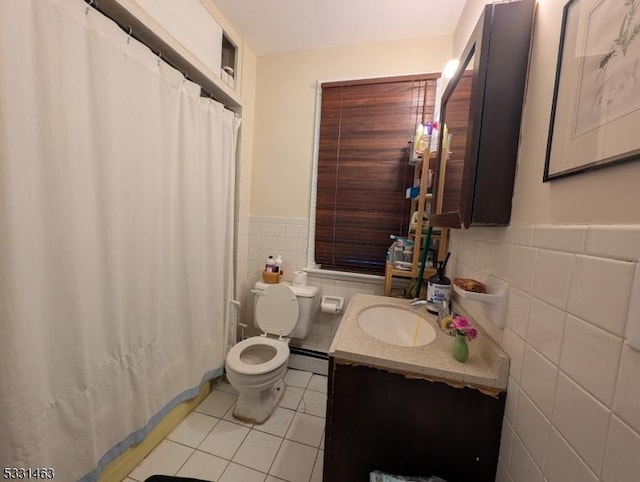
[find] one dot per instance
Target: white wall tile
(502, 474)
(590, 356)
(291, 231)
(291, 244)
(522, 467)
(511, 405)
(514, 346)
(502, 261)
(546, 326)
(552, 277)
(563, 463)
(487, 233)
(521, 235)
(632, 332)
(522, 267)
(533, 429)
(485, 256)
(582, 420)
(617, 242)
(627, 398)
(279, 230)
(517, 316)
(622, 459)
(570, 239)
(600, 290)
(506, 440)
(539, 380)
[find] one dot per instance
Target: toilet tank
(308, 302)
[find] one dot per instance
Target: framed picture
(595, 115)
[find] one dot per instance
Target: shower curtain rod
(137, 30)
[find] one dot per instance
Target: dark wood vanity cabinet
(379, 420)
(480, 120)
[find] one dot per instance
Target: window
(363, 169)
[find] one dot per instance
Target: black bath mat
(169, 478)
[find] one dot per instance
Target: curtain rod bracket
(86, 10)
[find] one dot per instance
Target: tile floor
(211, 445)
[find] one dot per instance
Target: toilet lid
(277, 310)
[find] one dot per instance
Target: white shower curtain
(116, 237)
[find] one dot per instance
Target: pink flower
(463, 327)
(461, 323)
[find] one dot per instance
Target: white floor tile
(238, 473)
(224, 439)
(224, 386)
(307, 429)
(258, 450)
(294, 462)
(165, 459)
(217, 403)
(297, 378)
(318, 383)
(291, 398)
(314, 403)
(278, 423)
(193, 429)
(203, 466)
(316, 475)
(271, 478)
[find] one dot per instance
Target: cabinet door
(480, 117)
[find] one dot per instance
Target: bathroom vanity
(411, 410)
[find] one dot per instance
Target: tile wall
(573, 404)
(259, 237)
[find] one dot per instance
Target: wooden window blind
(363, 169)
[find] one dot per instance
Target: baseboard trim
(307, 352)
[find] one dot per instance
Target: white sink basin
(396, 326)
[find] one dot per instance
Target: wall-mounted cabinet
(480, 118)
(187, 36)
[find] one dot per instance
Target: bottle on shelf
(270, 265)
(278, 266)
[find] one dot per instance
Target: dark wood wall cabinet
(379, 420)
(480, 118)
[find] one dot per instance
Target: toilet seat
(242, 350)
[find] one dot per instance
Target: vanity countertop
(486, 369)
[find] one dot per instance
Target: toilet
(255, 366)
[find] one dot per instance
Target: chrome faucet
(441, 309)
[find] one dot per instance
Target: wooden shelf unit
(421, 174)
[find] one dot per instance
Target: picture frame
(595, 111)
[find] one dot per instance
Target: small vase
(460, 350)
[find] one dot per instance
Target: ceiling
(277, 26)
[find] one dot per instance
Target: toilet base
(257, 406)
